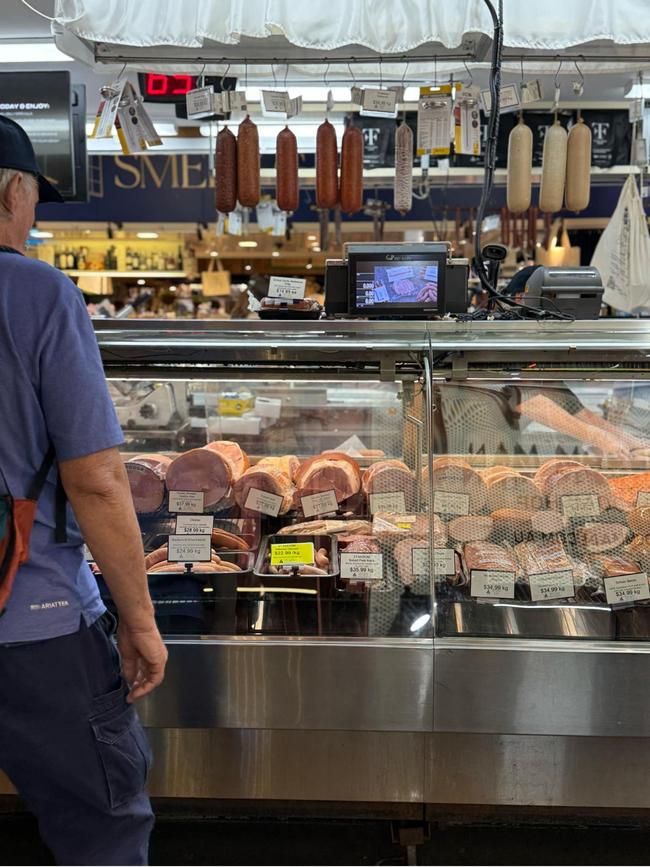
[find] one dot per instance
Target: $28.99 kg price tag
(194, 525)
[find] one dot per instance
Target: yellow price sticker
(294, 553)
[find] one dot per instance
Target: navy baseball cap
(16, 152)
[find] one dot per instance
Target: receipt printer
(577, 292)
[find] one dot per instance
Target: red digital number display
(167, 88)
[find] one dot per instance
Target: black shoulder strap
(60, 511)
(36, 486)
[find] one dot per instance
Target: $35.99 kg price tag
(359, 566)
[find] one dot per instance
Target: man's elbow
(100, 475)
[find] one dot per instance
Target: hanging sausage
(578, 166)
(226, 171)
(286, 170)
(352, 170)
(327, 184)
(403, 191)
(248, 164)
(520, 161)
(551, 188)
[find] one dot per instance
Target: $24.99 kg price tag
(493, 584)
(359, 566)
(189, 549)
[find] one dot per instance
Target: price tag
(269, 407)
(420, 560)
(468, 129)
(186, 501)
(189, 549)
(319, 504)
(580, 505)
(357, 566)
(194, 525)
(88, 557)
(274, 101)
(643, 498)
(378, 103)
(444, 561)
(447, 503)
(551, 585)
(532, 91)
(434, 125)
(492, 584)
(199, 102)
(627, 588)
(293, 553)
(233, 100)
(235, 226)
(392, 501)
(509, 99)
(294, 106)
(264, 502)
(107, 111)
(287, 287)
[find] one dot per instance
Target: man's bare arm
(98, 490)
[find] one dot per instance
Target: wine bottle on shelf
(179, 259)
(135, 261)
(129, 259)
(70, 260)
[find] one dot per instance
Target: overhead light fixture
(248, 267)
(214, 254)
(248, 243)
(141, 282)
(275, 254)
(312, 238)
(315, 249)
(309, 265)
(40, 233)
(147, 236)
(33, 51)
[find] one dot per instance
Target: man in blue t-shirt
(70, 739)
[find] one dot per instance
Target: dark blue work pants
(74, 748)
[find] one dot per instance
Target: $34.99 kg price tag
(358, 566)
(492, 584)
(551, 585)
(627, 588)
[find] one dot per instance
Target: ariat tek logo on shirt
(44, 606)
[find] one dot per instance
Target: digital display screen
(166, 88)
(386, 284)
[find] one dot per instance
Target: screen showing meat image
(382, 284)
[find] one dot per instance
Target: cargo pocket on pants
(123, 747)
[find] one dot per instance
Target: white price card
(358, 566)
(447, 503)
(319, 504)
(392, 501)
(294, 106)
(434, 125)
(627, 588)
(509, 99)
(444, 561)
(274, 101)
(551, 585)
(263, 502)
(492, 584)
(186, 501)
(468, 131)
(643, 498)
(532, 91)
(194, 525)
(199, 101)
(189, 549)
(269, 407)
(290, 288)
(378, 103)
(107, 111)
(580, 505)
(233, 100)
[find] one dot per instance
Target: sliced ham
(403, 553)
(384, 477)
(470, 528)
(457, 479)
(450, 461)
(487, 556)
(331, 471)
(233, 454)
(514, 492)
(578, 481)
(639, 550)
(204, 470)
(362, 545)
(511, 523)
(548, 521)
(549, 470)
(639, 520)
(536, 557)
(146, 475)
(268, 479)
(610, 565)
(498, 470)
(628, 487)
(327, 527)
(600, 536)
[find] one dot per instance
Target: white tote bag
(623, 253)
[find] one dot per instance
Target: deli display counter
(394, 563)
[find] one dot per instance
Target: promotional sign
(40, 103)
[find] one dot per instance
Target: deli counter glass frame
(467, 623)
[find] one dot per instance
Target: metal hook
(408, 63)
(582, 78)
(555, 80)
(275, 81)
(286, 75)
(121, 73)
(354, 81)
(381, 74)
(521, 61)
(435, 69)
(245, 74)
(223, 77)
(469, 72)
(326, 73)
